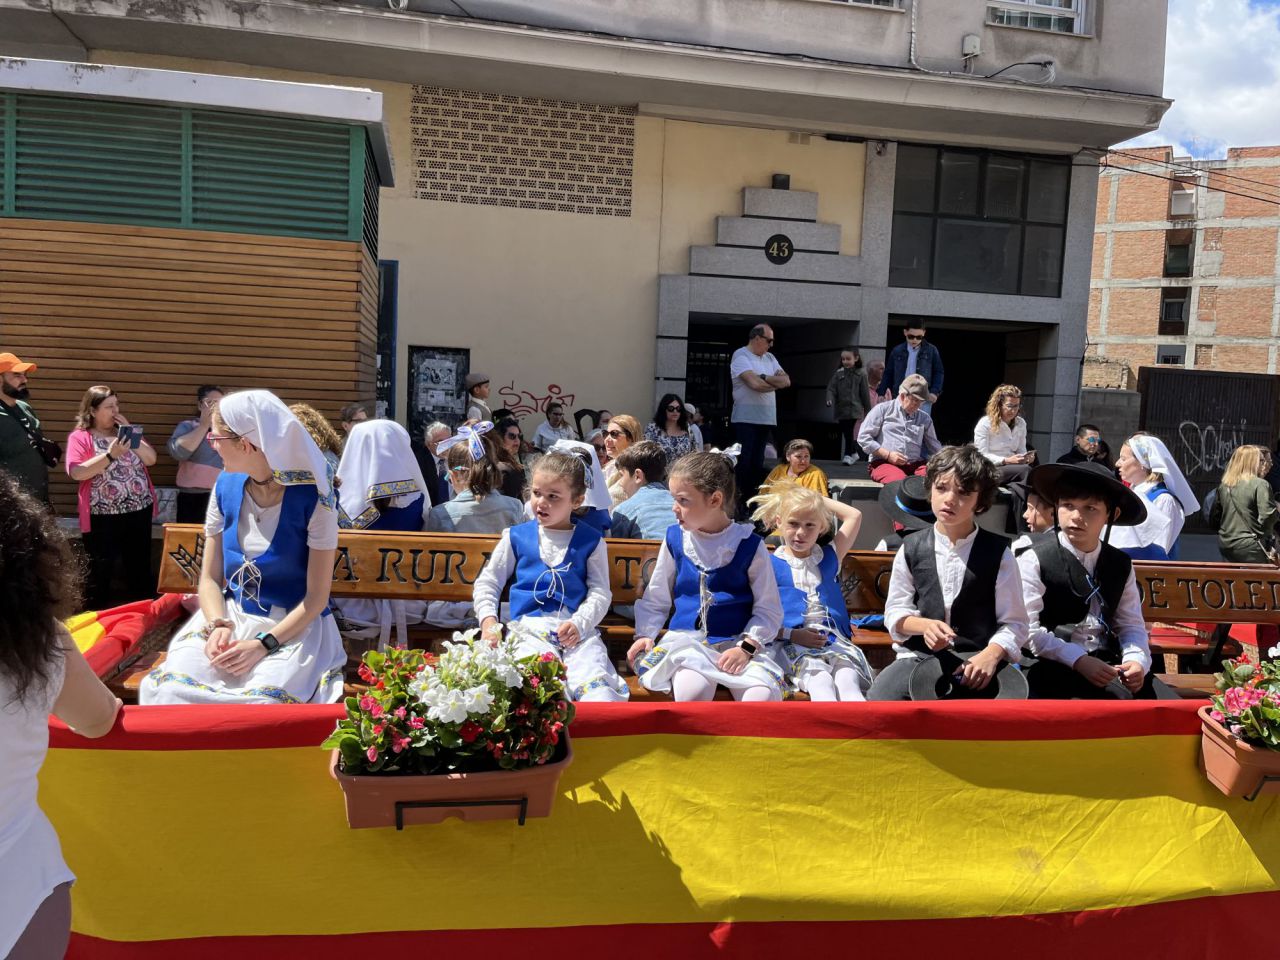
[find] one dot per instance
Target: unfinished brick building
(1186, 268)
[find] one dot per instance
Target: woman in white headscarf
(264, 633)
(1148, 467)
(380, 487)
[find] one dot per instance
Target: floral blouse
(673, 447)
(121, 488)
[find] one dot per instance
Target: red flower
(534, 681)
(469, 731)
(522, 710)
(378, 728)
(416, 723)
(365, 673)
(380, 685)
(547, 657)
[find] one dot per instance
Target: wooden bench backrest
(437, 566)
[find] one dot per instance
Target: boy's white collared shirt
(1129, 626)
(951, 562)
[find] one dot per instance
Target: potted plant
(479, 733)
(1240, 733)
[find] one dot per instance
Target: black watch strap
(268, 641)
(749, 647)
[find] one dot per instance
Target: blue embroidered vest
(538, 588)
(407, 519)
(283, 566)
(730, 587)
(1153, 551)
(795, 600)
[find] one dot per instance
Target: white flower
(1274, 652)
(509, 674)
(451, 707)
(479, 699)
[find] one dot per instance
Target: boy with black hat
(954, 607)
(906, 504)
(1086, 626)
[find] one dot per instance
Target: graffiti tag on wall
(1208, 448)
(523, 402)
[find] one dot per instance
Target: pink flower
(416, 723)
(366, 703)
(365, 673)
(1239, 699)
(547, 657)
(399, 743)
(376, 710)
(372, 754)
(1216, 716)
(534, 681)
(378, 728)
(400, 713)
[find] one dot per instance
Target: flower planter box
(398, 801)
(1233, 766)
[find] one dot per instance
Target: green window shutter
(95, 160)
(271, 175)
(371, 184)
(8, 145)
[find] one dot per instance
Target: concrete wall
(1120, 52)
(1113, 412)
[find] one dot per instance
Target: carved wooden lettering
(434, 566)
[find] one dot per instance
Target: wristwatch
(269, 641)
(747, 647)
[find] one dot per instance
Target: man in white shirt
(757, 376)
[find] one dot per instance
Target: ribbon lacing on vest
(247, 581)
(555, 581)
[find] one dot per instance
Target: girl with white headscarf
(380, 488)
(263, 633)
(1148, 467)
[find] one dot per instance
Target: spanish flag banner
(970, 829)
(108, 637)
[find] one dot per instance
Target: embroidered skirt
(307, 670)
(689, 650)
(802, 662)
(591, 676)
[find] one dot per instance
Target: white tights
(689, 685)
(841, 684)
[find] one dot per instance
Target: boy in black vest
(954, 594)
(1086, 626)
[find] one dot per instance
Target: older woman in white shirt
(1001, 435)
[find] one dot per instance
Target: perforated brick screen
(508, 151)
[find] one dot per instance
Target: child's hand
(491, 630)
(937, 634)
(734, 660)
(568, 634)
(642, 646)
(1132, 676)
(1095, 671)
(805, 637)
(980, 668)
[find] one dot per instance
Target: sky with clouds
(1222, 69)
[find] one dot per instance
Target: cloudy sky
(1222, 69)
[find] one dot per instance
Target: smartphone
(132, 435)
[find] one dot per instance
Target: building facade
(586, 197)
(1186, 264)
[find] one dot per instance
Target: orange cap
(11, 364)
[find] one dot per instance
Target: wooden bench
(432, 566)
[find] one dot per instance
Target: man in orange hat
(20, 437)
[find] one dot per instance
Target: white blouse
(1001, 443)
(1164, 522)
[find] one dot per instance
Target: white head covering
(262, 418)
(471, 436)
(1155, 456)
(377, 461)
(597, 489)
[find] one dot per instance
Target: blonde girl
(559, 575)
(715, 580)
(815, 648)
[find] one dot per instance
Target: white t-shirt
(751, 406)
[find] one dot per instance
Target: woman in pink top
(117, 500)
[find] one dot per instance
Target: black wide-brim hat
(907, 501)
(934, 679)
(1047, 480)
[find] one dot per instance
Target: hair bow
(471, 437)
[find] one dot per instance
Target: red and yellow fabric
(681, 830)
(108, 636)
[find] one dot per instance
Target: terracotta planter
(1233, 766)
(392, 801)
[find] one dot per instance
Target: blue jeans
(749, 470)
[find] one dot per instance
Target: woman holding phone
(109, 458)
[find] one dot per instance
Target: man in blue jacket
(914, 355)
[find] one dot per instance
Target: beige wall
(546, 298)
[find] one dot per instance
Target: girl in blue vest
(815, 649)
(1149, 469)
(380, 487)
(264, 633)
(715, 579)
(559, 576)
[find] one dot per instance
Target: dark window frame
(1022, 221)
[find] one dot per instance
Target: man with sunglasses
(757, 376)
(914, 355)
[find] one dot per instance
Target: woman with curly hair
(1001, 435)
(321, 431)
(41, 672)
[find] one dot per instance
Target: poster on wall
(436, 375)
